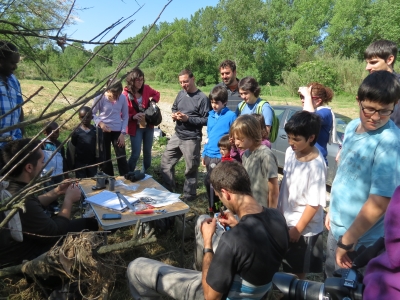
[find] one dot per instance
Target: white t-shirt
(303, 183)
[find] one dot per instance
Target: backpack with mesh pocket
(273, 133)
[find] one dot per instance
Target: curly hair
(321, 91)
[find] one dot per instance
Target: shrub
(311, 71)
(340, 74)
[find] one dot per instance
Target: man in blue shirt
(368, 172)
(10, 93)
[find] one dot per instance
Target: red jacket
(148, 93)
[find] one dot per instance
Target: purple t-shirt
(382, 276)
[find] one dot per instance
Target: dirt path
(167, 125)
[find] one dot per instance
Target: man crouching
(245, 260)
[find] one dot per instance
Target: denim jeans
(143, 136)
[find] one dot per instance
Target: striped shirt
(242, 289)
(10, 96)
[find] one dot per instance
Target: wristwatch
(205, 250)
(343, 246)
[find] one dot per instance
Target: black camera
(347, 285)
(134, 176)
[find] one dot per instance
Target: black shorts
(304, 256)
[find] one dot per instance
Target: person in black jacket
(190, 112)
(84, 139)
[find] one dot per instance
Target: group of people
(269, 224)
(240, 263)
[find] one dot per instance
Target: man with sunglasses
(368, 172)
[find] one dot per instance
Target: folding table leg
(183, 240)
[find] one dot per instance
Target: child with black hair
(368, 172)
(381, 56)
(224, 145)
(84, 140)
(302, 195)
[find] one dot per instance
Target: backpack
(273, 133)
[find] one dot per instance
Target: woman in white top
(110, 113)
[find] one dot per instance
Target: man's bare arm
(207, 231)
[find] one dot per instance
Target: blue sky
(102, 13)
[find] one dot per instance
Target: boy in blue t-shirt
(219, 122)
(368, 172)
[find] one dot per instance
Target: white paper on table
(146, 176)
(160, 198)
(109, 200)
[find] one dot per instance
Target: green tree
(349, 28)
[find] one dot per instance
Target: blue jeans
(146, 136)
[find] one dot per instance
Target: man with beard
(227, 69)
(243, 264)
(190, 112)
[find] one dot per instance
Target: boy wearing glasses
(368, 172)
(381, 56)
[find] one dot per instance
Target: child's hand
(203, 162)
(121, 141)
(328, 222)
(294, 235)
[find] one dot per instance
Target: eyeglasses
(139, 79)
(369, 112)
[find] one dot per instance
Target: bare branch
(66, 18)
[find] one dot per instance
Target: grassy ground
(168, 245)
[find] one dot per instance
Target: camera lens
(309, 290)
(296, 289)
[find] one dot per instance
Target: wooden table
(128, 218)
